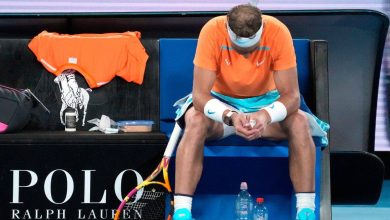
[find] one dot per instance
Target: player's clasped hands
(251, 126)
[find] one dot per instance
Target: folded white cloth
(104, 124)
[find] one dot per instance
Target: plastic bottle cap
(260, 200)
(244, 186)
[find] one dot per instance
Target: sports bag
(15, 108)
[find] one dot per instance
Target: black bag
(15, 108)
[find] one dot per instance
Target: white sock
(182, 201)
(305, 200)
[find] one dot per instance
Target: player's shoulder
(273, 22)
(215, 28)
(216, 22)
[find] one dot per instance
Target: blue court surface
(380, 211)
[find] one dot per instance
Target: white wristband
(214, 109)
(277, 111)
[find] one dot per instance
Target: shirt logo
(227, 62)
(259, 63)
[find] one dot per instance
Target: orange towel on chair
(98, 57)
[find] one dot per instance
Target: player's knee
(298, 123)
(196, 121)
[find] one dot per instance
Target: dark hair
(244, 20)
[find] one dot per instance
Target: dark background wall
(355, 43)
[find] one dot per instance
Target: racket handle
(172, 141)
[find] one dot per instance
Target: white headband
(245, 41)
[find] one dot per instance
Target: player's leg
(302, 156)
(189, 159)
(295, 128)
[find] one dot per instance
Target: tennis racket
(151, 204)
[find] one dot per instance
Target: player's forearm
(203, 82)
(200, 100)
(286, 82)
(291, 101)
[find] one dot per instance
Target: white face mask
(245, 42)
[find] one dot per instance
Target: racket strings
(152, 205)
(153, 195)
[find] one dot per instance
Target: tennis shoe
(182, 214)
(306, 214)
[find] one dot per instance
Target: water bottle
(260, 212)
(244, 203)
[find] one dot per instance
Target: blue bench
(263, 164)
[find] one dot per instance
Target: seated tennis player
(245, 83)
